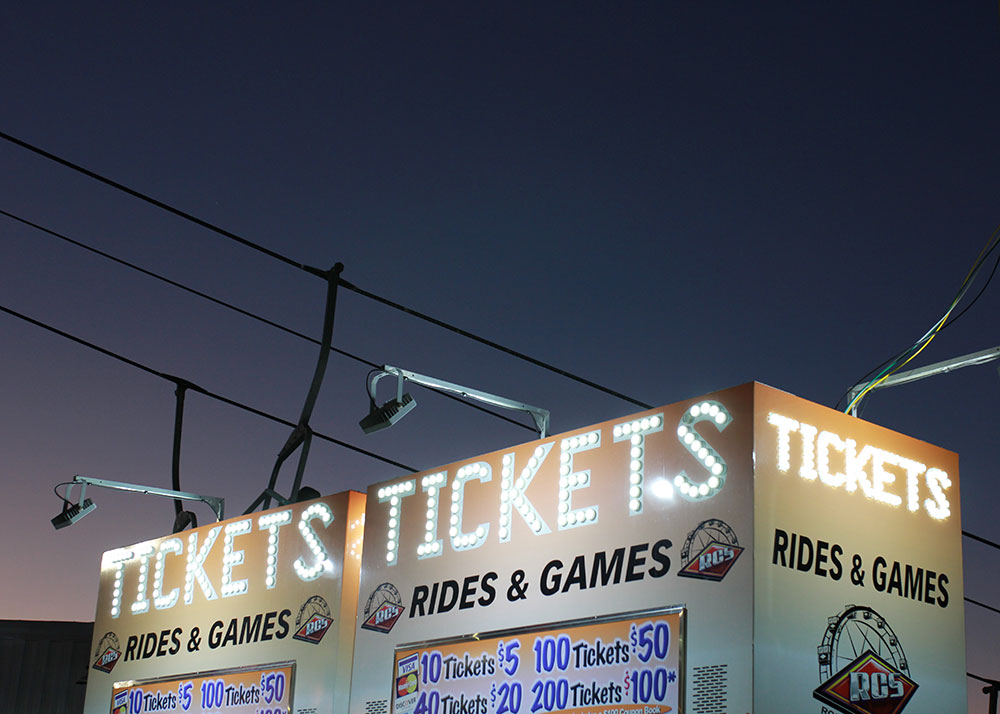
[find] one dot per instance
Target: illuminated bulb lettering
(161, 601)
(118, 558)
(478, 471)
(808, 468)
(570, 481)
(141, 603)
(856, 474)
(196, 566)
(913, 470)
(316, 547)
(785, 427)
(432, 545)
(864, 470)
(232, 557)
(271, 522)
(358, 527)
(713, 463)
(937, 482)
(393, 494)
(882, 478)
(824, 442)
(635, 433)
(512, 494)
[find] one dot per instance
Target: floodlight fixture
(382, 417)
(72, 512)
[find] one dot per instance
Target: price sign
(258, 690)
(615, 665)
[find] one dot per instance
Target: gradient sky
(667, 198)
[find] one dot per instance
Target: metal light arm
(931, 370)
(216, 504)
(540, 416)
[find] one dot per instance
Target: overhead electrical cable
(200, 390)
(981, 679)
(917, 347)
(239, 310)
(981, 604)
(490, 343)
(948, 324)
(165, 206)
(984, 253)
(258, 412)
(313, 270)
(981, 539)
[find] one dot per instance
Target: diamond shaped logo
(868, 685)
(107, 660)
(383, 619)
(713, 562)
(313, 629)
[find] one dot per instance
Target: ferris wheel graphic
(853, 632)
(386, 593)
(708, 532)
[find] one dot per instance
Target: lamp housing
(388, 414)
(71, 513)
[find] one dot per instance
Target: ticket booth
(252, 615)
(744, 551)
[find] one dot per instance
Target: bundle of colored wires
(894, 364)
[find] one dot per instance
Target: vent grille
(709, 689)
(377, 706)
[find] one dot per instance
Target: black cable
(491, 343)
(906, 355)
(981, 679)
(311, 270)
(982, 604)
(200, 390)
(236, 309)
(981, 539)
(252, 410)
(943, 327)
(980, 293)
(55, 490)
(160, 204)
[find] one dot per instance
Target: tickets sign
(817, 558)
(275, 586)
(636, 514)
(613, 665)
(262, 690)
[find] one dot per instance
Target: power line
(196, 388)
(982, 604)
(896, 363)
(346, 284)
(241, 311)
(490, 343)
(279, 420)
(981, 539)
(314, 271)
(160, 204)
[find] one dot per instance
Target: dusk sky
(664, 198)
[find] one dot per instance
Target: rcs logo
(313, 620)
(385, 614)
(710, 551)
(383, 609)
(714, 557)
(870, 683)
(876, 686)
(107, 654)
